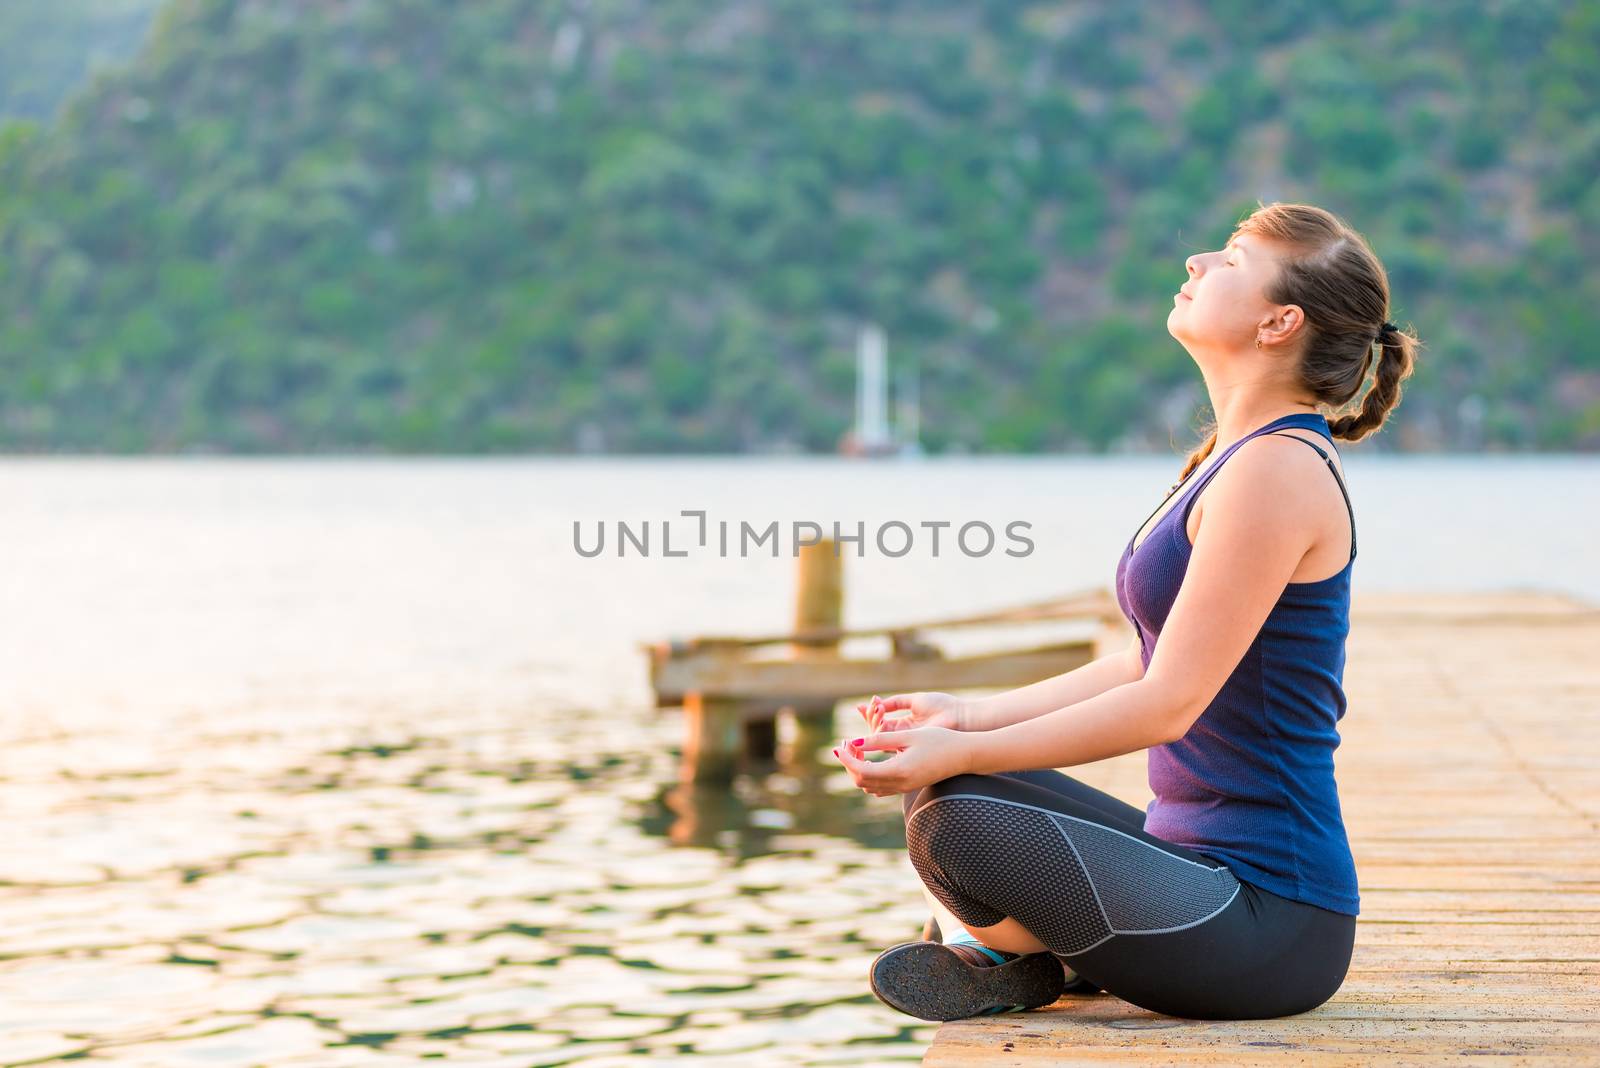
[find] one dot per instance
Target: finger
(893, 741)
(854, 778)
(896, 703)
(881, 777)
(851, 762)
(862, 770)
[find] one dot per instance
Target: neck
(1241, 407)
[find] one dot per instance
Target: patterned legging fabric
(1154, 923)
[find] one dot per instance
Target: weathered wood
(819, 595)
(1469, 777)
(836, 678)
(713, 738)
(682, 665)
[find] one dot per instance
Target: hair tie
(1386, 328)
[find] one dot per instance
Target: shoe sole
(933, 982)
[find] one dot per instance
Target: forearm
(1069, 688)
(1124, 719)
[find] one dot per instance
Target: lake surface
(325, 762)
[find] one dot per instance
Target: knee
(934, 831)
(914, 801)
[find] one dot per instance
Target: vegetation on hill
(518, 225)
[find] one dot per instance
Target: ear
(1283, 326)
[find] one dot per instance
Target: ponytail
(1396, 361)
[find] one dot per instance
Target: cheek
(1224, 298)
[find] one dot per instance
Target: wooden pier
(1470, 780)
(734, 689)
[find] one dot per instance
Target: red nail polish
(858, 741)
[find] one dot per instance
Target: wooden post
(818, 604)
(713, 739)
(819, 595)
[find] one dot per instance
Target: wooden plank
(1097, 604)
(838, 678)
(1095, 1032)
(1469, 775)
(1086, 1033)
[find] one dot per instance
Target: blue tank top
(1251, 784)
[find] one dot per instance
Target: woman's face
(1222, 306)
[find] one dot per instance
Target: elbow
(1177, 713)
(1174, 729)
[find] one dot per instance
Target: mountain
(658, 225)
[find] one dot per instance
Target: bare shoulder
(1270, 478)
(1315, 439)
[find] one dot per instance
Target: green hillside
(511, 225)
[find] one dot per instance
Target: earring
(1258, 343)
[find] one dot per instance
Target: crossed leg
(1016, 857)
(1009, 934)
(1036, 861)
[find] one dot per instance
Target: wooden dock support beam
(819, 596)
(721, 729)
(818, 605)
(714, 738)
(734, 690)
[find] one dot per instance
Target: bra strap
(1216, 465)
(1336, 478)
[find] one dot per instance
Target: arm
(1123, 719)
(1263, 524)
(1068, 688)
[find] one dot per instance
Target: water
(352, 761)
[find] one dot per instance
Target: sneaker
(937, 982)
(1075, 983)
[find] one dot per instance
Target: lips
(1181, 293)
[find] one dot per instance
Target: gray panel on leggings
(1004, 859)
(1143, 888)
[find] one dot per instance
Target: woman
(1234, 896)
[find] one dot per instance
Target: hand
(918, 710)
(920, 755)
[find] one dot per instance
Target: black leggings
(1154, 923)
